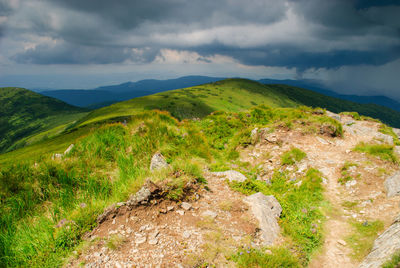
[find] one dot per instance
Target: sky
(351, 46)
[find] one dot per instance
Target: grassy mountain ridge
(235, 95)
(24, 113)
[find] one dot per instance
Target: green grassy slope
(235, 95)
(311, 98)
(42, 219)
(24, 113)
(232, 95)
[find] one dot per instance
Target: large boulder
(392, 185)
(387, 244)
(231, 175)
(266, 209)
(158, 162)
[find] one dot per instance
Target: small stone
(180, 212)
(83, 205)
(298, 184)
(154, 234)
(140, 240)
(153, 241)
(170, 208)
(186, 234)
(341, 242)
(113, 222)
(209, 213)
(163, 210)
(186, 206)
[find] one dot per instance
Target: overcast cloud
(349, 44)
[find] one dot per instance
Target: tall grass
(46, 207)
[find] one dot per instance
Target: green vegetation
(25, 113)
(293, 156)
(313, 99)
(345, 172)
(382, 151)
(301, 214)
(234, 95)
(277, 257)
(389, 131)
(362, 238)
(41, 212)
(42, 217)
(393, 262)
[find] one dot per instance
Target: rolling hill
(235, 95)
(106, 95)
(230, 95)
(24, 113)
(103, 96)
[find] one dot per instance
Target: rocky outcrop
(384, 138)
(147, 192)
(231, 175)
(397, 132)
(266, 209)
(387, 244)
(158, 162)
(396, 150)
(392, 185)
(333, 115)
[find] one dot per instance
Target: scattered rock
(69, 149)
(56, 156)
(153, 241)
(271, 138)
(186, 206)
(231, 175)
(170, 208)
(396, 131)
(384, 138)
(392, 185)
(254, 135)
(186, 234)
(158, 162)
(180, 212)
(209, 213)
(266, 209)
(140, 240)
(333, 115)
(342, 242)
(350, 183)
(384, 246)
(298, 184)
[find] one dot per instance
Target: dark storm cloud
(331, 33)
(293, 57)
(131, 13)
